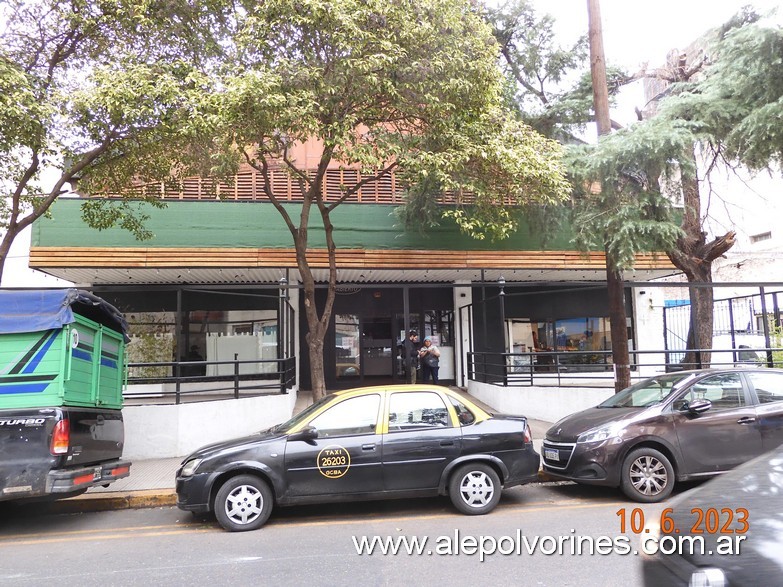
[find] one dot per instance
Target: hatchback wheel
(647, 475)
(243, 503)
(474, 489)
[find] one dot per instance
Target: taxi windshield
(285, 427)
(648, 392)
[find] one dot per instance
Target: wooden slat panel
(353, 258)
(248, 184)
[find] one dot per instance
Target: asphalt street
(317, 545)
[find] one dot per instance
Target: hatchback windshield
(648, 392)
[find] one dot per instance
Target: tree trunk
(315, 330)
(700, 329)
(5, 248)
(694, 256)
(619, 330)
(317, 378)
(318, 326)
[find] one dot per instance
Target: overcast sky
(635, 32)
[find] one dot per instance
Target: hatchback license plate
(552, 455)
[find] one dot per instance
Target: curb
(544, 477)
(103, 502)
(145, 498)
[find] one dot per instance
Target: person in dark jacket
(411, 346)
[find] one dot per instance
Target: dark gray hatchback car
(677, 426)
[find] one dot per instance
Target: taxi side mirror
(307, 433)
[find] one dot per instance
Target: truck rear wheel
(243, 503)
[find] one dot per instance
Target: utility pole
(614, 279)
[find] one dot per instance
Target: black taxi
(369, 443)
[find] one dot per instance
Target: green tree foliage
(736, 107)
(540, 71)
(623, 203)
(411, 87)
(549, 84)
(95, 90)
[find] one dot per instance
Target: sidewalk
(151, 482)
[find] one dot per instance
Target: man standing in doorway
(411, 347)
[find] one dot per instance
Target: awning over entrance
(95, 265)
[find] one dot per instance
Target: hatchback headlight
(600, 434)
(190, 467)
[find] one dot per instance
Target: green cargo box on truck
(62, 365)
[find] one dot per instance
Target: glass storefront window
(152, 340)
(573, 334)
(214, 327)
(438, 325)
(223, 335)
(583, 334)
(587, 338)
(346, 334)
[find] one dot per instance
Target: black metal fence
(189, 381)
(595, 368)
(738, 322)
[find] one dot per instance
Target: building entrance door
(378, 348)
(347, 348)
(364, 349)
(365, 342)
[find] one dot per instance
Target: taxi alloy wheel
(243, 503)
(474, 489)
(647, 476)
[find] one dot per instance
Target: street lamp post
(281, 319)
(502, 283)
(502, 296)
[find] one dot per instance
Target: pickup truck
(61, 379)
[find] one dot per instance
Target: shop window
(346, 334)
(573, 334)
(152, 340)
(580, 336)
(439, 325)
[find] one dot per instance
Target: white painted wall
(155, 432)
(539, 403)
(648, 310)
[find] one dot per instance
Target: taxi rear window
(418, 410)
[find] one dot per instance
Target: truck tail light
(61, 438)
(119, 471)
(528, 435)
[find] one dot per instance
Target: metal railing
(595, 368)
(188, 381)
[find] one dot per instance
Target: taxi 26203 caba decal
(368, 443)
